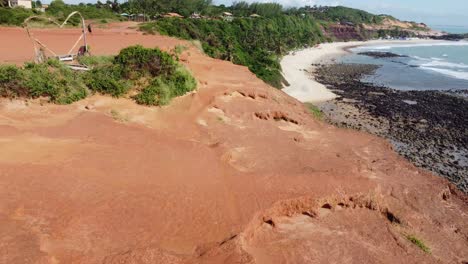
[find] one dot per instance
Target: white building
(23, 3)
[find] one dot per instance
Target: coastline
(428, 127)
(298, 67)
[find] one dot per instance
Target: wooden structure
(41, 50)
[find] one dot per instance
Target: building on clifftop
(23, 3)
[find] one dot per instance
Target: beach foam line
(446, 64)
(386, 47)
(455, 74)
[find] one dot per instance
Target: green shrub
(73, 95)
(137, 62)
(162, 89)
(41, 82)
(50, 79)
(54, 80)
(92, 61)
(106, 80)
(419, 243)
(14, 16)
(113, 76)
(157, 93)
(314, 110)
(11, 82)
(181, 82)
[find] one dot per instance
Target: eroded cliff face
(344, 32)
(390, 23)
(388, 27)
(236, 172)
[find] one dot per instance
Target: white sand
(296, 65)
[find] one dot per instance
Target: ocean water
(434, 66)
(451, 29)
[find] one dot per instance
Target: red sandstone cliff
(237, 172)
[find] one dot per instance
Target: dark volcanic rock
(430, 128)
(378, 54)
(452, 37)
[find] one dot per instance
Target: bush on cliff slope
(106, 80)
(50, 79)
(137, 62)
(11, 82)
(155, 74)
(344, 14)
(255, 43)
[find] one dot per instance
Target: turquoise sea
(428, 66)
(451, 29)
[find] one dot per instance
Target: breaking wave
(386, 47)
(452, 73)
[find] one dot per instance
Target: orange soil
(237, 172)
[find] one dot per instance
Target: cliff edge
(236, 172)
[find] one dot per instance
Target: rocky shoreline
(429, 128)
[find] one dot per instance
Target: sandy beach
(297, 66)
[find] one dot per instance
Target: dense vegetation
(155, 7)
(57, 10)
(255, 43)
(155, 75)
(14, 16)
(344, 14)
(258, 43)
(243, 9)
(51, 79)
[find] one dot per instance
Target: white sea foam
(420, 58)
(440, 60)
(446, 64)
(386, 47)
(452, 73)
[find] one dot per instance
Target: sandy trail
(237, 172)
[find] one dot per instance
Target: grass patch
(419, 243)
(92, 61)
(117, 116)
(314, 110)
(179, 49)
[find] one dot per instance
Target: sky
(432, 12)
